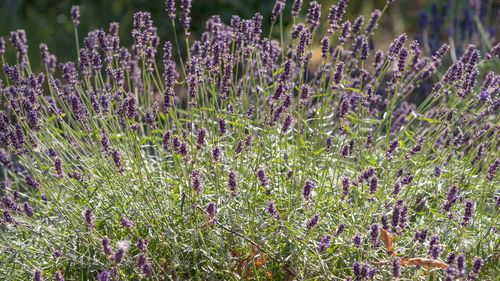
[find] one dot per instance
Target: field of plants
(251, 156)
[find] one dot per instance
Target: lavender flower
(296, 7)
(373, 185)
(307, 190)
(435, 248)
(278, 7)
(184, 151)
(357, 240)
(170, 8)
(340, 229)
(345, 151)
(233, 183)
(8, 217)
(166, 139)
(2, 46)
(185, 18)
(27, 209)
(105, 141)
(369, 141)
(261, 174)
(88, 217)
(325, 44)
(141, 244)
(476, 265)
(69, 72)
(437, 171)
(385, 222)
(374, 233)
(122, 248)
(395, 215)
(403, 217)
(146, 270)
(450, 260)
(423, 235)
(130, 105)
(37, 276)
(356, 26)
(396, 268)
(328, 144)
(286, 123)
(373, 21)
(202, 133)
(216, 154)
(271, 209)
(407, 179)
(312, 222)
(124, 222)
(440, 53)
(75, 15)
(104, 276)
(196, 181)
(314, 15)
(451, 198)
(211, 210)
(118, 161)
(345, 33)
(364, 50)
(392, 146)
(304, 42)
(345, 187)
(492, 170)
(397, 188)
(59, 276)
(461, 265)
(403, 55)
(356, 270)
(238, 149)
(469, 208)
(324, 243)
(337, 76)
(141, 260)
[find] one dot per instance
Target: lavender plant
(247, 158)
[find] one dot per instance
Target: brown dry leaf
(387, 238)
(261, 260)
(407, 261)
(427, 262)
(257, 257)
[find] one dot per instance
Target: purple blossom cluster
(244, 141)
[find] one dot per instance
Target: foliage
(249, 157)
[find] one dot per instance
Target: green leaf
(144, 140)
(355, 90)
(278, 71)
(319, 151)
(433, 121)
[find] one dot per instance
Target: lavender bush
(249, 157)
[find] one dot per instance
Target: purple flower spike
(196, 182)
(104, 276)
(324, 243)
(307, 190)
(37, 276)
(170, 8)
(75, 15)
(88, 217)
(312, 222)
(296, 7)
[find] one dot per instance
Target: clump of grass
(248, 157)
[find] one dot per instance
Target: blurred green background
(49, 21)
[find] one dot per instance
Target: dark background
(49, 20)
